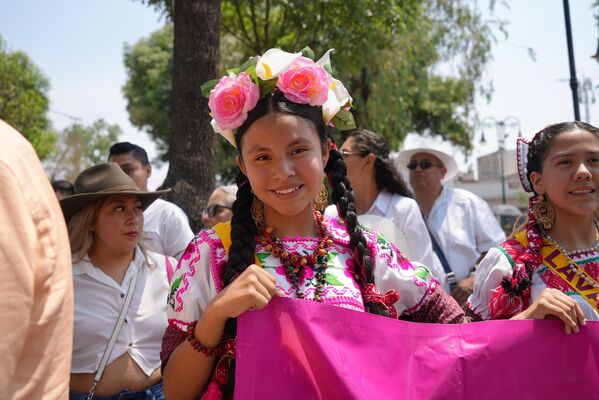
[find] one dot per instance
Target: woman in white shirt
(105, 224)
(379, 189)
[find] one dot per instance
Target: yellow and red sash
(557, 262)
(223, 231)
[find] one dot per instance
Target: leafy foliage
(410, 65)
(79, 147)
(149, 65)
(24, 99)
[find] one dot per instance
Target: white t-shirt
(98, 303)
(166, 229)
(405, 214)
(464, 227)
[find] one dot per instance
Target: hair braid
(344, 200)
(243, 232)
(241, 254)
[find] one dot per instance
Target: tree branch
(266, 17)
(258, 47)
(241, 24)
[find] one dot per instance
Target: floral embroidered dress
(197, 280)
(499, 263)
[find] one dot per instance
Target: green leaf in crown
(344, 120)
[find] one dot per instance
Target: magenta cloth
(298, 349)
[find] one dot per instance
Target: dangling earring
(257, 211)
(544, 213)
(596, 214)
(322, 199)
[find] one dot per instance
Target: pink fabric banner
(297, 349)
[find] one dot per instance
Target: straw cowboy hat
(404, 157)
(100, 181)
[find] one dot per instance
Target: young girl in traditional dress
(550, 265)
(278, 243)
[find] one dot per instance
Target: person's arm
(187, 371)
(18, 249)
(554, 303)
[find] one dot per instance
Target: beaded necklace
(295, 263)
(577, 252)
(569, 254)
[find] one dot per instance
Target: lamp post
(573, 81)
(502, 134)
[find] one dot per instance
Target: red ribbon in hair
(372, 295)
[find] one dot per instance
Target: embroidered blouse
(499, 262)
(197, 280)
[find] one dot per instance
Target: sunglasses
(345, 154)
(214, 209)
(424, 164)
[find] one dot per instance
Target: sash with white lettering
(557, 262)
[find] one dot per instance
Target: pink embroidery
(432, 284)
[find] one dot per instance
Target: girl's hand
(252, 290)
(552, 303)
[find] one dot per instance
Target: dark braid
(241, 255)
(243, 232)
(344, 200)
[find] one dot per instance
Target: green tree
(149, 65)
(148, 92)
(79, 147)
(196, 37)
(24, 99)
(411, 66)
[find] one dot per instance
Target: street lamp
(510, 122)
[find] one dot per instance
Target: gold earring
(257, 211)
(544, 212)
(322, 199)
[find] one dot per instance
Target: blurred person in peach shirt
(36, 306)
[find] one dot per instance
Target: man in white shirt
(166, 227)
(461, 223)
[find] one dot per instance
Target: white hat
(449, 163)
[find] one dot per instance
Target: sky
(78, 44)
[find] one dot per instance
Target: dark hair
(125, 148)
(537, 150)
(518, 283)
(387, 177)
(244, 230)
(65, 188)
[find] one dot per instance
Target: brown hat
(100, 181)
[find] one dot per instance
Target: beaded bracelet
(195, 343)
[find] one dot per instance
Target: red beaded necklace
(294, 262)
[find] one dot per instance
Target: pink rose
(231, 99)
(305, 82)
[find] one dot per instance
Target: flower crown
(296, 75)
